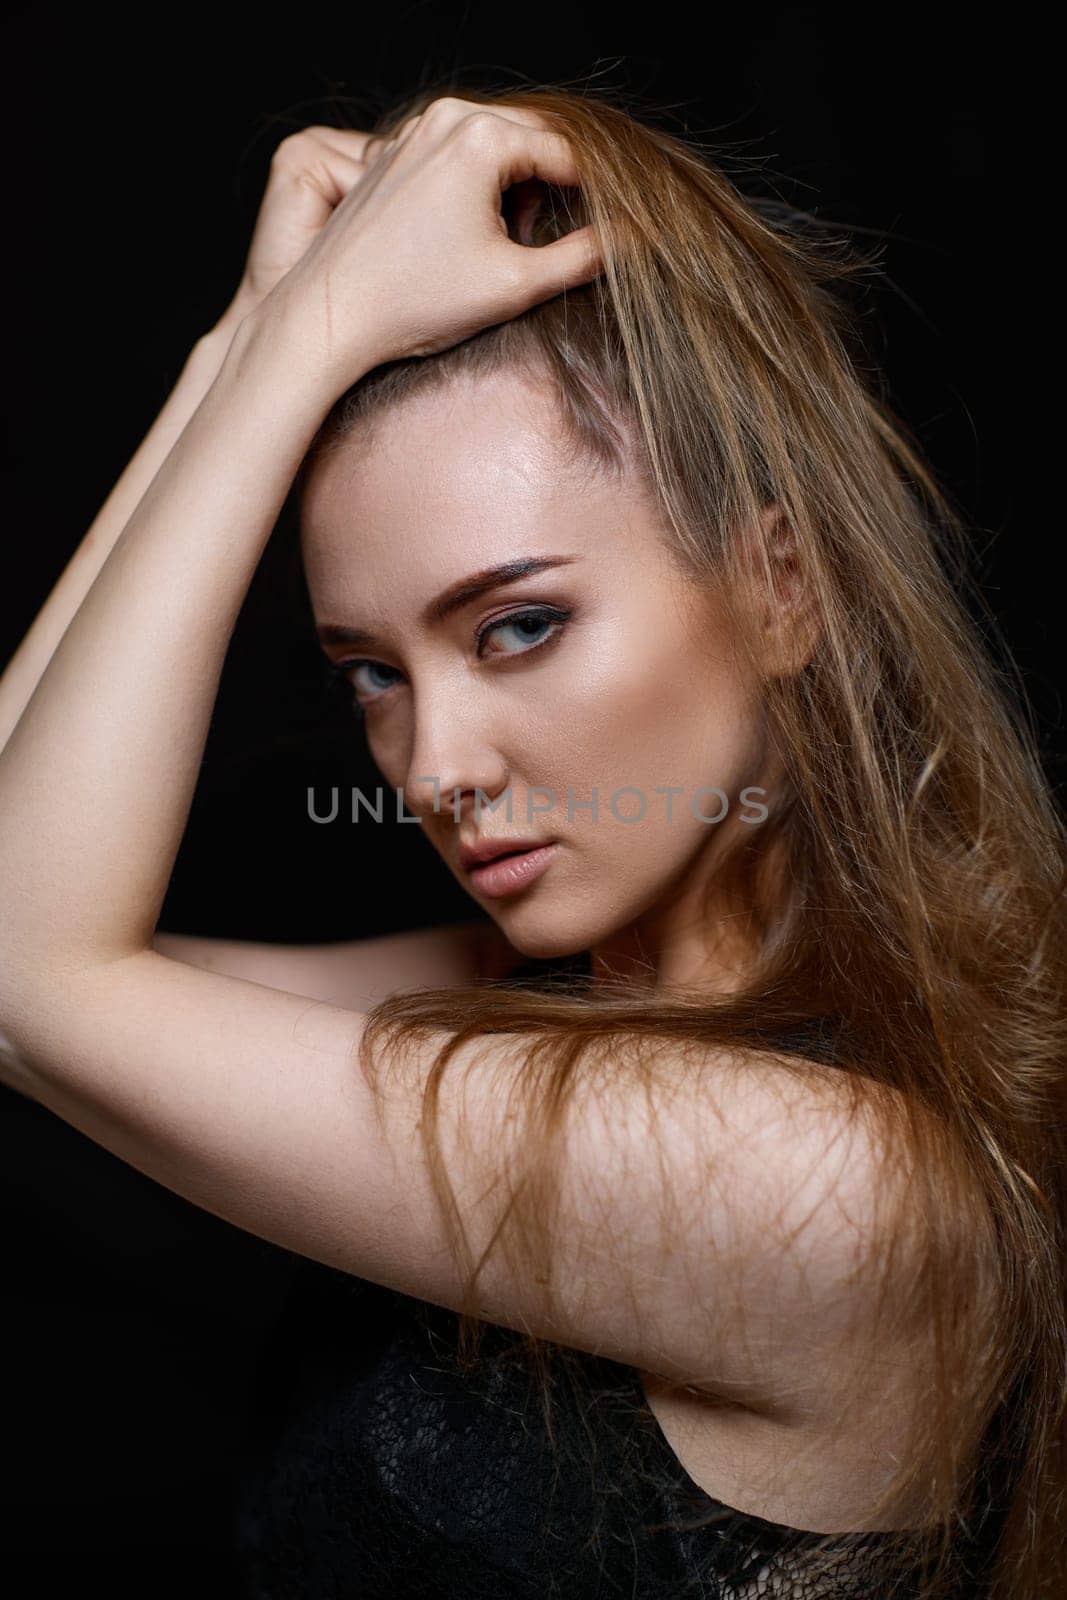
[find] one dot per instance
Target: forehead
(455, 479)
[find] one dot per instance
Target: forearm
(24, 669)
(98, 775)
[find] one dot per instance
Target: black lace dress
(391, 1473)
(383, 1470)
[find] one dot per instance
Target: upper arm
(353, 973)
(707, 1251)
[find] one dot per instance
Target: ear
(786, 616)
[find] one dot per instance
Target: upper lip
(483, 850)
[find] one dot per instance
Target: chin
(544, 932)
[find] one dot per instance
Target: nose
(453, 755)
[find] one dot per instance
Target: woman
(630, 575)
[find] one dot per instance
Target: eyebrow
(453, 598)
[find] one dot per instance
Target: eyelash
(337, 672)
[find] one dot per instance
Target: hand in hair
(417, 255)
(311, 172)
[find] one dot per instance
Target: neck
(717, 964)
(688, 943)
(702, 936)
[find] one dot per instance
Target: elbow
(36, 993)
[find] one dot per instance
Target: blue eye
(339, 677)
(341, 673)
(372, 667)
(538, 618)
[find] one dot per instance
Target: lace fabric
(392, 1472)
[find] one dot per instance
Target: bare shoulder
(707, 1216)
(355, 973)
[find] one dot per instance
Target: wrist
(268, 361)
(277, 338)
(209, 351)
(213, 345)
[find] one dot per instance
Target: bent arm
(98, 775)
(715, 1246)
(248, 1100)
(355, 973)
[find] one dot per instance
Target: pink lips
(509, 874)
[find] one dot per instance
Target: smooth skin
(244, 1097)
(605, 678)
(310, 173)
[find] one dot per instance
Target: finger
(451, 110)
(535, 153)
(384, 144)
(370, 146)
(549, 269)
(332, 175)
(349, 141)
(377, 147)
(577, 256)
(345, 141)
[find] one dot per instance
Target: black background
(138, 145)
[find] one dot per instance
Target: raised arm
(123, 706)
(356, 973)
(249, 1100)
(23, 671)
(310, 173)
(97, 777)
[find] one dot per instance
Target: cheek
(388, 744)
(653, 713)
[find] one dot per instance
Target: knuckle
(513, 279)
(309, 178)
(479, 128)
(293, 143)
(446, 108)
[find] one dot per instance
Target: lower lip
(509, 874)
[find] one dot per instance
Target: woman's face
(608, 672)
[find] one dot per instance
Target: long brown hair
(923, 929)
